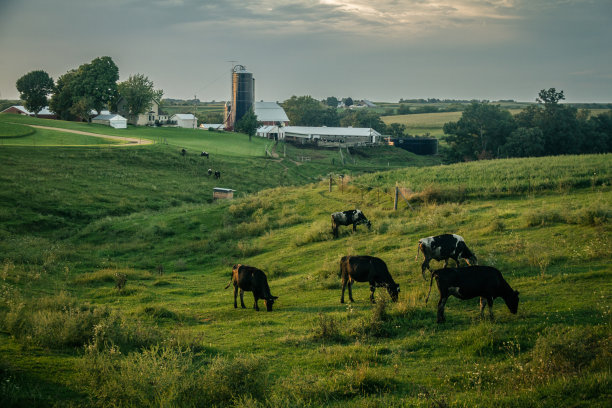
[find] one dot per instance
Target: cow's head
(361, 219)
(469, 256)
(269, 302)
(512, 301)
(393, 289)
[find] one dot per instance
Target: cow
(443, 247)
(217, 174)
(353, 217)
(472, 281)
(183, 152)
(366, 269)
(204, 154)
(251, 279)
(210, 172)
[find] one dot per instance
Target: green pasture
(112, 282)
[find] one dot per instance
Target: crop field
(114, 263)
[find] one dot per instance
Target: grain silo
(243, 94)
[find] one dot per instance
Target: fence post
(396, 197)
(330, 183)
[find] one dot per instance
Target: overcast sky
(381, 50)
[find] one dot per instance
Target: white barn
(330, 136)
(184, 120)
(112, 119)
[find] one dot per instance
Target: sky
(381, 50)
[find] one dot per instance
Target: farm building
(220, 193)
(269, 132)
(44, 113)
(184, 120)
(152, 117)
(111, 119)
(330, 136)
(212, 126)
(270, 113)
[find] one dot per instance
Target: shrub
(327, 329)
(539, 218)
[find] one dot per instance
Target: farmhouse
(44, 113)
(112, 119)
(184, 120)
(270, 114)
(154, 116)
(330, 136)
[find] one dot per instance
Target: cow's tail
(430, 283)
(230, 282)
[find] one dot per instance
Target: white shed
(184, 120)
(112, 119)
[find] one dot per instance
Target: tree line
(92, 86)
(549, 128)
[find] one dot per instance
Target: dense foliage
(139, 93)
(549, 128)
(33, 89)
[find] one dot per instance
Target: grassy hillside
(114, 267)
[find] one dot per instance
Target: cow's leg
(490, 304)
(446, 262)
(235, 295)
(350, 288)
(372, 289)
(456, 259)
(344, 287)
(255, 305)
(242, 299)
(482, 307)
(354, 227)
(441, 304)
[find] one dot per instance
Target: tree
(33, 88)
(396, 130)
(81, 108)
(62, 100)
(481, 131)
(332, 101)
(524, 142)
(247, 124)
(363, 118)
(550, 96)
(138, 92)
(304, 111)
(97, 82)
(348, 101)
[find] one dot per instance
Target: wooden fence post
(396, 197)
(330, 183)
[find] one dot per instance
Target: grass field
(114, 262)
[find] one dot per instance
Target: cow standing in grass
(353, 217)
(470, 282)
(366, 269)
(251, 279)
(443, 247)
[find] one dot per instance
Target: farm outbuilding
(184, 120)
(44, 113)
(270, 113)
(112, 119)
(220, 193)
(269, 132)
(330, 136)
(212, 126)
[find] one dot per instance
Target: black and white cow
(443, 247)
(366, 269)
(353, 217)
(469, 282)
(210, 172)
(183, 152)
(204, 154)
(217, 174)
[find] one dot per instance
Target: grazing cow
(251, 279)
(210, 172)
(204, 154)
(354, 217)
(472, 281)
(443, 247)
(366, 269)
(183, 152)
(217, 174)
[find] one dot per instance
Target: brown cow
(251, 279)
(366, 269)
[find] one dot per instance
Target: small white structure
(112, 119)
(212, 126)
(269, 132)
(270, 113)
(184, 120)
(330, 136)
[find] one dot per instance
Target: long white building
(330, 136)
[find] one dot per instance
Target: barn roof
(109, 116)
(270, 112)
(331, 131)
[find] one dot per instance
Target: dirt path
(130, 140)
